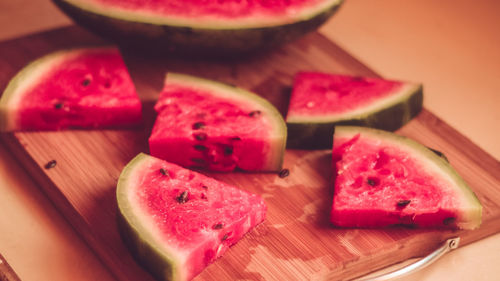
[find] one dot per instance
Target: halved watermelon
(176, 221)
(382, 179)
(320, 101)
(75, 88)
(207, 124)
(194, 26)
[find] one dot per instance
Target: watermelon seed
(58, 105)
(164, 172)
(371, 181)
(403, 203)
(204, 186)
(218, 226)
(228, 150)
(235, 138)
(200, 147)
(51, 164)
(183, 198)
(200, 136)
(284, 173)
(448, 221)
(198, 125)
(224, 238)
(85, 82)
(254, 113)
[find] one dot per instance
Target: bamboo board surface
(296, 242)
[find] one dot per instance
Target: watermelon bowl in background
(206, 28)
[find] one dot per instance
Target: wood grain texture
(296, 242)
(6, 272)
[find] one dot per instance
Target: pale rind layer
(277, 134)
(200, 37)
(389, 114)
(469, 213)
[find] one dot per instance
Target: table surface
(449, 46)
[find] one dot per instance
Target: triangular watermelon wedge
(320, 101)
(177, 221)
(210, 125)
(382, 179)
(75, 88)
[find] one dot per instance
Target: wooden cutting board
(296, 242)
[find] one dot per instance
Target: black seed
(224, 237)
(284, 173)
(403, 203)
(183, 198)
(235, 138)
(58, 105)
(218, 226)
(228, 150)
(86, 82)
(199, 161)
(198, 125)
(164, 172)
(372, 181)
(200, 136)
(254, 113)
(448, 221)
(51, 164)
(200, 147)
(204, 186)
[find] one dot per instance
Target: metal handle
(447, 246)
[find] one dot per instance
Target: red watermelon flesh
(320, 101)
(189, 218)
(383, 179)
(216, 9)
(77, 88)
(320, 94)
(206, 124)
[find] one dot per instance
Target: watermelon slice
(76, 88)
(320, 101)
(206, 124)
(194, 26)
(177, 221)
(383, 179)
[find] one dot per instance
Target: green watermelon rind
(279, 131)
(27, 77)
(388, 114)
(142, 243)
(471, 216)
(199, 37)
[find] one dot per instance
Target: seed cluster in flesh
(215, 133)
(198, 217)
(374, 177)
